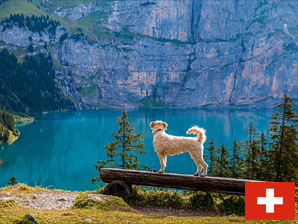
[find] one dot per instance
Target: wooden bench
(120, 182)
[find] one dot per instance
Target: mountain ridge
(185, 54)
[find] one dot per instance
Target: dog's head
(156, 125)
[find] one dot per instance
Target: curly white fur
(168, 145)
(200, 132)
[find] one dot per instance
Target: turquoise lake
(59, 150)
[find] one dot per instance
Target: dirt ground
(43, 199)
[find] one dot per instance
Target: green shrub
(142, 196)
(202, 200)
(156, 197)
(233, 204)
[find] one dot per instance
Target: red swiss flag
(269, 201)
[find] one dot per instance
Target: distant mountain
(187, 53)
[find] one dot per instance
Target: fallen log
(171, 180)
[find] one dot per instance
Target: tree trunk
(169, 180)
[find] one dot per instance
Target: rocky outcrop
(23, 37)
(177, 53)
(75, 13)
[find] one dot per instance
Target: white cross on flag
(270, 201)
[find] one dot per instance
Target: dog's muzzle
(157, 131)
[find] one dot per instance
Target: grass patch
(110, 204)
(11, 212)
(126, 30)
(16, 189)
(92, 19)
(67, 3)
(19, 7)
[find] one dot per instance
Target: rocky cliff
(188, 53)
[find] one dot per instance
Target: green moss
(109, 204)
(7, 204)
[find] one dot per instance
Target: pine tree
(236, 161)
(211, 157)
(30, 48)
(12, 181)
(283, 142)
(222, 167)
(122, 152)
(252, 133)
(265, 164)
(252, 163)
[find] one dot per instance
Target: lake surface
(60, 149)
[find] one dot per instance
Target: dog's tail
(200, 132)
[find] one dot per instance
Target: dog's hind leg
(205, 167)
(163, 162)
(200, 163)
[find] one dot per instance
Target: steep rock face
(22, 36)
(184, 53)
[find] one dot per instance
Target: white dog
(168, 145)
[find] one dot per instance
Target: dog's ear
(152, 124)
(165, 125)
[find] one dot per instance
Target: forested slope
(29, 86)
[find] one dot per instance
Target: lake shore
(20, 121)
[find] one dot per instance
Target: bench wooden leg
(119, 189)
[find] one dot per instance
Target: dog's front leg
(162, 159)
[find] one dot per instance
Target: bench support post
(119, 189)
